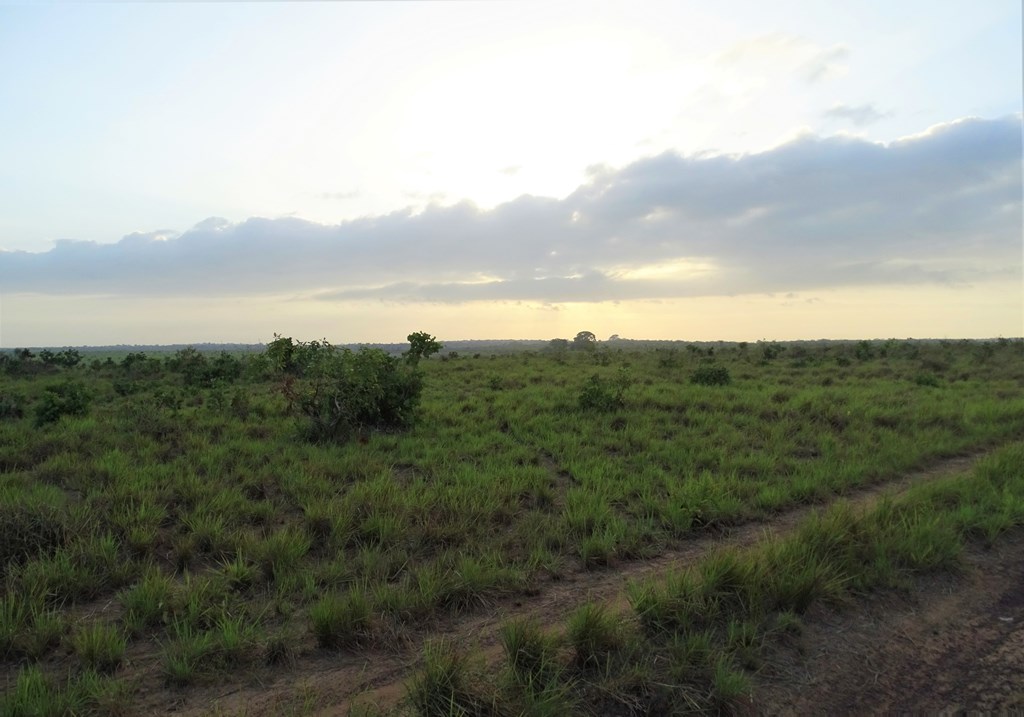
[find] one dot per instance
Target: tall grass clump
(595, 634)
(531, 653)
(341, 620)
(147, 602)
(99, 647)
(443, 685)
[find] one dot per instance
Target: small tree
(280, 354)
(421, 345)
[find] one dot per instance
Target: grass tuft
(99, 647)
(341, 620)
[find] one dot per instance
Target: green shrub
(70, 398)
(711, 376)
(12, 406)
(341, 391)
(600, 394)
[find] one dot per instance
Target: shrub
(770, 351)
(66, 399)
(711, 376)
(342, 391)
(599, 394)
(12, 406)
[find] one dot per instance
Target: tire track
(334, 682)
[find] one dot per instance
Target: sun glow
(675, 269)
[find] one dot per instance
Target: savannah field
(590, 528)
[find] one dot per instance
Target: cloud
(786, 53)
(826, 64)
(511, 170)
(339, 196)
(860, 115)
(941, 207)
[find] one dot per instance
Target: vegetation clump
(711, 376)
(70, 398)
(601, 394)
(341, 391)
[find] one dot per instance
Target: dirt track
(326, 683)
(952, 645)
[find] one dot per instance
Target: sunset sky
(188, 172)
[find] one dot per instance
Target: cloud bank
(940, 207)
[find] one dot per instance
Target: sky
(193, 172)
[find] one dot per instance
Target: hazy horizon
(216, 173)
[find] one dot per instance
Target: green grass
(99, 647)
(200, 514)
(701, 631)
(442, 687)
(340, 620)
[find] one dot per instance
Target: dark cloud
(942, 207)
(860, 115)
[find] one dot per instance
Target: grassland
(171, 528)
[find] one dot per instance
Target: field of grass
(165, 524)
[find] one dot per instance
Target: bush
(342, 391)
(67, 399)
(711, 376)
(599, 394)
(12, 406)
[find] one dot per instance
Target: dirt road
(842, 658)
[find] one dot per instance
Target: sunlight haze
(220, 172)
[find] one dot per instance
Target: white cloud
(942, 207)
(860, 115)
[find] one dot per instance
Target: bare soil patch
(951, 645)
